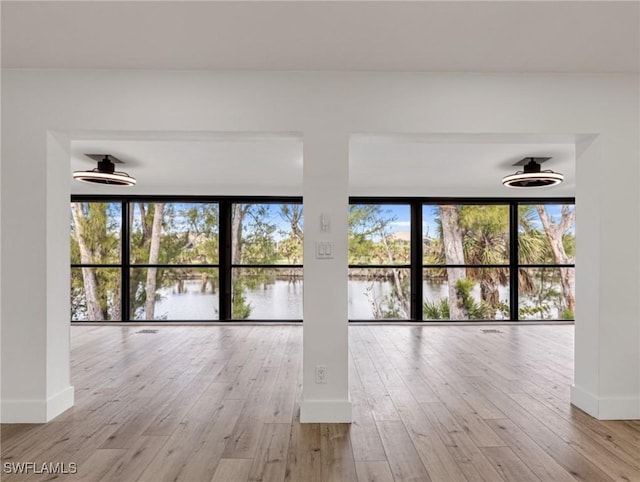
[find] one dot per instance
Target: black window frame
(417, 261)
(224, 265)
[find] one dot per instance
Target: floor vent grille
(147, 331)
(491, 331)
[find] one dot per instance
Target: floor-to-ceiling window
(465, 269)
(266, 261)
(186, 259)
(96, 261)
(379, 261)
(233, 258)
(461, 259)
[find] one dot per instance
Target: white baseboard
(36, 411)
(606, 408)
(325, 411)
(60, 402)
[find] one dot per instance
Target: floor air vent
(491, 331)
(147, 331)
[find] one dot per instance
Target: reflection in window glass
(379, 293)
(379, 234)
(174, 294)
(174, 233)
(475, 234)
(546, 233)
(466, 293)
(95, 294)
(267, 293)
(266, 233)
(546, 293)
(95, 232)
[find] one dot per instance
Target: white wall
(326, 108)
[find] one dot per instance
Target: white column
(326, 205)
(607, 351)
(35, 264)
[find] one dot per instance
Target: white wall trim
(24, 411)
(37, 411)
(584, 400)
(606, 408)
(60, 402)
(325, 411)
(619, 408)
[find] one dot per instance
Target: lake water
(282, 300)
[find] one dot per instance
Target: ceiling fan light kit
(105, 173)
(532, 176)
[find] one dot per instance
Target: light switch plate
(324, 249)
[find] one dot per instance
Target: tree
(555, 232)
(95, 292)
(94, 310)
(371, 242)
(454, 255)
(485, 232)
(154, 252)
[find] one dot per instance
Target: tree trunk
(490, 294)
(154, 252)
(404, 302)
(454, 254)
(94, 311)
(555, 232)
(116, 312)
(239, 211)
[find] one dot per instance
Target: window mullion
(416, 261)
(224, 253)
(513, 261)
(125, 262)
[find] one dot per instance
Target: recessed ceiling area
(436, 36)
(210, 165)
(379, 165)
(454, 166)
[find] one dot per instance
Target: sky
(400, 212)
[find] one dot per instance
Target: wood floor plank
(572, 461)
(232, 470)
(365, 439)
(540, 463)
(403, 457)
(471, 460)
(136, 459)
(270, 462)
(243, 442)
(221, 403)
(508, 465)
(336, 453)
(440, 464)
(304, 461)
(373, 471)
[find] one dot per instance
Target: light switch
(328, 249)
(324, 249)
(325, 223)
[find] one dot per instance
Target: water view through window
(223, 259)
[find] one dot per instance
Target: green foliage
(436, 310)
(567, 314)
(475, 310)
(240, 308)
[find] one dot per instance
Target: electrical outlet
(321, 374)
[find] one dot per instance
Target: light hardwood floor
(441, 403)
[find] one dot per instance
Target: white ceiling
(511, 36)
(210, 165)
(455, 166)
(476, 36)
(378, 165)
